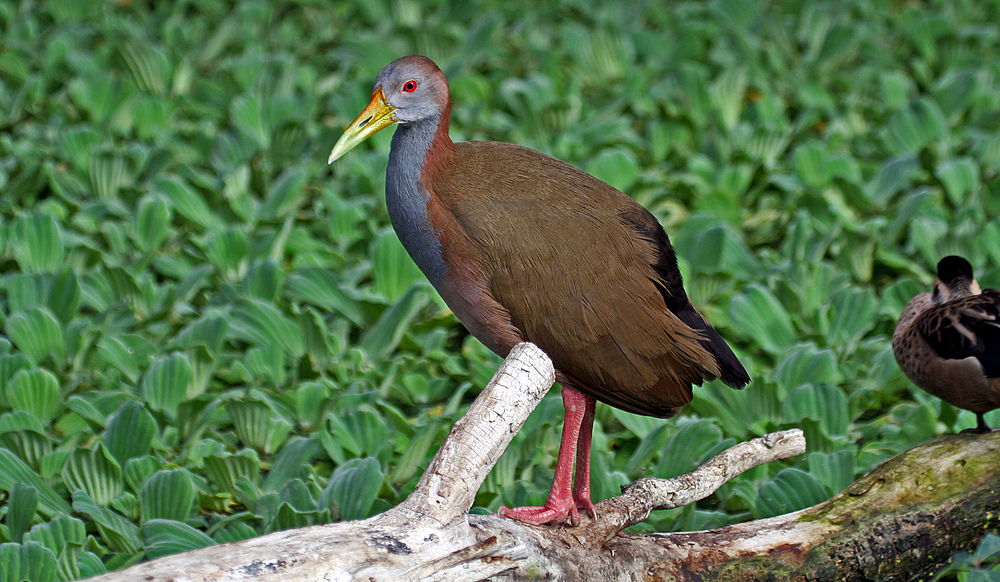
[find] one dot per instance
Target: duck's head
(954, 280)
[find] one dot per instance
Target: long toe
(585, 506)
(982, 429)
(976, 430)
(542, 515)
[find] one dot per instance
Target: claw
(541, 515)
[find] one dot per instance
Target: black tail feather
(732, 371)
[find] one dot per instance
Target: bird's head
(954, 280)
(407, 90)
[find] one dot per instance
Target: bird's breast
(407, 201)
(440, 247)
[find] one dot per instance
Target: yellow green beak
(377, 116)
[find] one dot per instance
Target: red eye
(409, 86)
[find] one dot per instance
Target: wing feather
(965, 327)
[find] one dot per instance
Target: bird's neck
(418, 151)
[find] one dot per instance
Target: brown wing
(965, 327)
(667, 279)
(565, 255)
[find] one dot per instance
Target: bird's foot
(586, 506)
(981, 426)
(536, 515)
(976, 430)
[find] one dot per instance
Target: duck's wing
(965, 327)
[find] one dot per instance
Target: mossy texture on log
(901, 521)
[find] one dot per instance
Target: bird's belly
(960, 383)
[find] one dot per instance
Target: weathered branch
(423, 538)
(448, 487)
(649, 493)
(898, 521)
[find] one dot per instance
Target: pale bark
(900, 520)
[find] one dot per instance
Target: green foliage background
(208, 334)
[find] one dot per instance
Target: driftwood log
(900, 522)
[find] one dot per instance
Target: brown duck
(524, 247)
(948, 341)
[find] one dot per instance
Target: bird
(524, 247)
(947, 341)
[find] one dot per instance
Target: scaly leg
(560, 504)
(581, 479)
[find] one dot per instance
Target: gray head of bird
(407, 90)
(954, 280)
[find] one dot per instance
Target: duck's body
(524, 247)
(948, 341)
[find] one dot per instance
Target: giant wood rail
(524, 247)
(948, 341)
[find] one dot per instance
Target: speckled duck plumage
(947, 341)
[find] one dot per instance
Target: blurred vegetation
(207, 334)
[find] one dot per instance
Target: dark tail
(732, 371)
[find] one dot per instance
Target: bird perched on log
(524, 247)
(947, 341)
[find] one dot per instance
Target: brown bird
(948, 341)
(524, 247)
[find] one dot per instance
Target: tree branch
(649, 493)
(448, 487)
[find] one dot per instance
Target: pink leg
(581, 480)
(561, 505)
